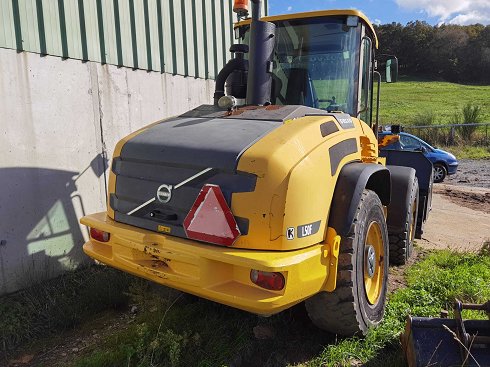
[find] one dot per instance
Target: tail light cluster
(99, 235)
(268, 280)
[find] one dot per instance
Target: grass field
(404, 101)
(173, 329)
(469, 152)
(175, 332)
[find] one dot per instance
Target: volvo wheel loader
(276, 193)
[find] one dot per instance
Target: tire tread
(338, 311)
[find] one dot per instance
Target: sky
(434, 12)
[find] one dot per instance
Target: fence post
(451, 136)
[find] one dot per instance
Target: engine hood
(202, 146)
(197, 142)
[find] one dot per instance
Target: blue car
(444, 162)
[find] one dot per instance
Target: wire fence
(454, 134)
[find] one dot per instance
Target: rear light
(99, 235)
(267, 280)
(210, 219)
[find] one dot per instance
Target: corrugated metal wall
(186, 37)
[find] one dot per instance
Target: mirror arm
(376, 123)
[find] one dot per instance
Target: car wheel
(439, 173)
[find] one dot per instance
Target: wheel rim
(373, 263)
(438, 173)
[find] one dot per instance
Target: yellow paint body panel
(294, 187)
(315, 14)
(294, 182)
(217, 273)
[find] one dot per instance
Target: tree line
(450, 52)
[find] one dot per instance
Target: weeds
(432, 285)
(59, 304)
(427, 118)
(465, 135)
(172, 331)
(471, 115)
(469, 152)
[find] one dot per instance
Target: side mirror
(392, 70)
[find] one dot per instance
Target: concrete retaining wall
(59, 122)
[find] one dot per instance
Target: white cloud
(290, 8)
(452, 11)
(377, 21)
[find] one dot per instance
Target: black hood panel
(197, 142)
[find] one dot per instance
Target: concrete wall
(59, 122)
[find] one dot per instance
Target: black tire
(440, 172)
(347, 310)
(401, 243)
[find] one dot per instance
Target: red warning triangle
(210, 219)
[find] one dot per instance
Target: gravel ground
(471, 172)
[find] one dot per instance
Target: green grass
(469, 152)
(174, 330)
(408, 100)
(433, 284)
(59, 304)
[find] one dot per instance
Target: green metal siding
(186, 37)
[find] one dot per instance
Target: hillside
(402, 102)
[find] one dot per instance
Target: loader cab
(323, 60)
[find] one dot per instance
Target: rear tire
(440, 172)
(401, 243)
(358, 301)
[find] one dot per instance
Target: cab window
(365, 111)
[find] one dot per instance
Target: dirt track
(460, 217)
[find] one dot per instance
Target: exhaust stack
(262, 41)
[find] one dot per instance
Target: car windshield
(413, 143)
(316, 63)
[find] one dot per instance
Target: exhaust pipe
(262, 42)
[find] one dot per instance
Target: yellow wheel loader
(275, 194)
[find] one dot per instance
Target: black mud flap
(353, 179)
(401, 184)
(423, 171)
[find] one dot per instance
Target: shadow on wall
(40, 236)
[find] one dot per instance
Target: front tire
(401, 242)
(440, 172)
(358, 301)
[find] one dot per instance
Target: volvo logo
(164, 193)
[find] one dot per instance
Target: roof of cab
(314, 14)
